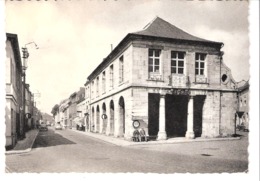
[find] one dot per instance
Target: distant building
(166, 81)
(64, 113)
(81, 107)
(243, 103)
(47, 118)
(87, 108)
(28, 108)
(14, 102)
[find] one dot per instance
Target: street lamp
(24, 67)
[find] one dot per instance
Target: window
(104, 82)
(177, 62)
(111, 77)
(97, 86)
(86, 92)
(12, 73)
(121, 69)
(92, 89)
(200, 63)
(154, 60)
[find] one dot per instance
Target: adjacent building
(81, 108)
(166, 81)
(14, 102)
(29, 103)
(64, 113)
(243, 103)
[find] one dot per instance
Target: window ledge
(155, 80)
(200, 82)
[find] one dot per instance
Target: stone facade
(173, 87)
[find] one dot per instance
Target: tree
(55, 110)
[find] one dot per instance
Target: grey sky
(75, 36)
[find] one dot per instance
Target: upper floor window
(87, 92)
(154, 60)
(111, 77)
(200, 63)
(92, 89)
(177, 62)
(121, 69)
(104, 82)
(97, 86)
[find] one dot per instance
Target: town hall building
(166, 81)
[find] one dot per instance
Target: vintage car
(43, 127)
(58, 126)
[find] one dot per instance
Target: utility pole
(25, 57)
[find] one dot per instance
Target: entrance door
(121, 116)
(153, 112)
(197, 113)
(176, 115)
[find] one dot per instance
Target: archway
(104, 125)
(121, 116)
(176, 115)
(112, 110)
(97, 120)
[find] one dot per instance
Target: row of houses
(21, 113)
(161, 79)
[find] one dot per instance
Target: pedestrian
(142, 135)
(136, 136)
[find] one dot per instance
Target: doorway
(176, 115)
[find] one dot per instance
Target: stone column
(190, 132)
(108, 129)
(162, 133)
(116, 120)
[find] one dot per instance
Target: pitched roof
(161, 28)
(158, 28)
(14, 42)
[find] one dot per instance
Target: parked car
(58, 126)
(243, 127)
(48, 123)
(43, 127)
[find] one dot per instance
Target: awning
(78, 120)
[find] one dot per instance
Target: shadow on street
(50, 138)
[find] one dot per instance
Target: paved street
(71, 151)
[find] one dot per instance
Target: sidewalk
(24, 145)
(123, 142)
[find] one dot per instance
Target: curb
(116, 141)
(22, 151)
(184, 141)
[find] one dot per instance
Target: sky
(74, 36)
